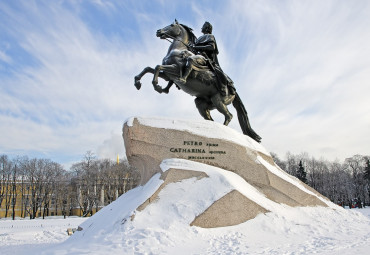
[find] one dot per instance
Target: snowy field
(34, 236)
(22, 236)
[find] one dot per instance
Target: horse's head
(170, 31)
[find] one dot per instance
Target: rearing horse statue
(201, 84)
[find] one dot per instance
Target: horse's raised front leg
(163, 70)
(140, 75)
(167, 89)
(145, 71)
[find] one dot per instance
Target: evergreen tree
(301, 173)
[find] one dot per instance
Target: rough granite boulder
(149, 141)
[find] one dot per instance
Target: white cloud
(4, 57)
(306, 75)
(112, 147)
(301, 68)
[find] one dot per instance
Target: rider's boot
(223, 90)
(182, 80)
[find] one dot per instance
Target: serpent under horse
(201, 84)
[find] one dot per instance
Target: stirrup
(181, 80)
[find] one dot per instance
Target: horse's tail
(243, 119)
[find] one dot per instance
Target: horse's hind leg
(218, 102)
(203, 107)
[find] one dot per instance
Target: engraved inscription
(198, 157)
(195, 143)
(185, 150)
(199, 147)
(217, 152)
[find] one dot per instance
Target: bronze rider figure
(205, 49)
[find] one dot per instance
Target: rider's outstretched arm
(207, 47)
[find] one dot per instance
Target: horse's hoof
(227, 120)
(137, 84)
(158, 88)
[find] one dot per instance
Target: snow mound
(163, 227)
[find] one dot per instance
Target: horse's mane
(192, 37)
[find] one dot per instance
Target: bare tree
(343, 183)
(6, 166)
(86, 172)
(367, 178)
(35, 187)
(356, 166)
(278, 161)
(4, 170)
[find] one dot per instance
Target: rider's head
(207, 28)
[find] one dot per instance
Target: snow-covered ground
(346, 233)
(301, 237)
(22, 236)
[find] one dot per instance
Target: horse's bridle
(173, 38)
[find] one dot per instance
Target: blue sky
(302, 69)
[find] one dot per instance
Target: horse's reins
(173, 38)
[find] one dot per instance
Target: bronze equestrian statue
(192, 65)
